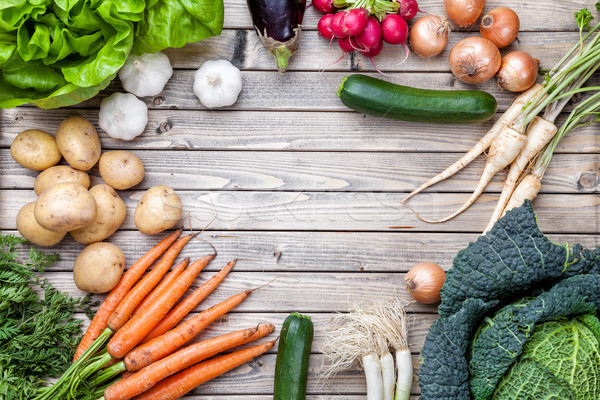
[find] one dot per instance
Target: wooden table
(308, 191)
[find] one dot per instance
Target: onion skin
(429, 35)
(464, 13)
(424, 282)
(518, 71)
(474, 60)
(501, 26)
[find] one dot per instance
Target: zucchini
(291, 366)
(384, 99)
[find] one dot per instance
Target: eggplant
(278, 24)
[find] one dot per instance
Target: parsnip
(539, 133)
(507, 119)
(503, 150)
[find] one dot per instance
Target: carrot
(175, 272)
(503, 151)
(138, 327)
(179, 384)
(486, 141)
(159, 347)
(114, 297)
(146, 378)
(187, 305)
(121, 315)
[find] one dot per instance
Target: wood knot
(18, 117)
(158, 100)
(587, 180)
(164, 127)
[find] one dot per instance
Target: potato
(110, 214)
(121, 169)
(159, 208)
(29, 228)
(59, 174)
(65, 207)
(35, 149)
(99, 267)
(78, 142)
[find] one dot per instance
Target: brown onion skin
(474, 60)
(518, 71)
(501, 26)
(464, 13)
(424, 282)
(429, 35)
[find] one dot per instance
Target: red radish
(354, 21)
(325, 6)
(370, 36)
(336, 25)
(394, 30)
(372, 53)
(325, 26)
(347, 44)
(408, 9)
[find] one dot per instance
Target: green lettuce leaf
(173, 23)
(68, 49)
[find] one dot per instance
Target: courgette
(291, 366)
(379, 98)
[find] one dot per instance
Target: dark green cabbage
(530, 281)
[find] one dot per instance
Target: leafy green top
(37, 335)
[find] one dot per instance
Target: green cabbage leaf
(537, 292)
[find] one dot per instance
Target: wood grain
(555, 17)
(264, 130)
(244, 50)
(307, 171)
(296, 90)
(275, 252)
(345, 211)
(303, 292)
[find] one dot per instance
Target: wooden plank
(418, 328)
(270, 397)
(345, 211)
(256, 377)
(244, 50)
(257, 170)
(293, 291)
(296, 91)
(555, 17)
(306, 251)
(263, 130)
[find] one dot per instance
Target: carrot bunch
(132, 346)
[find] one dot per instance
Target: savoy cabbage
(545, 297)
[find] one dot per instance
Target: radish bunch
(363, 25)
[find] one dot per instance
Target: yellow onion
(474, 60)
(424, 282)
(429, 35)
(464, 13)
(501, 26)
(518, 71)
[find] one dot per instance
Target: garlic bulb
(145, 75)
(123, 116)
(217, 83)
